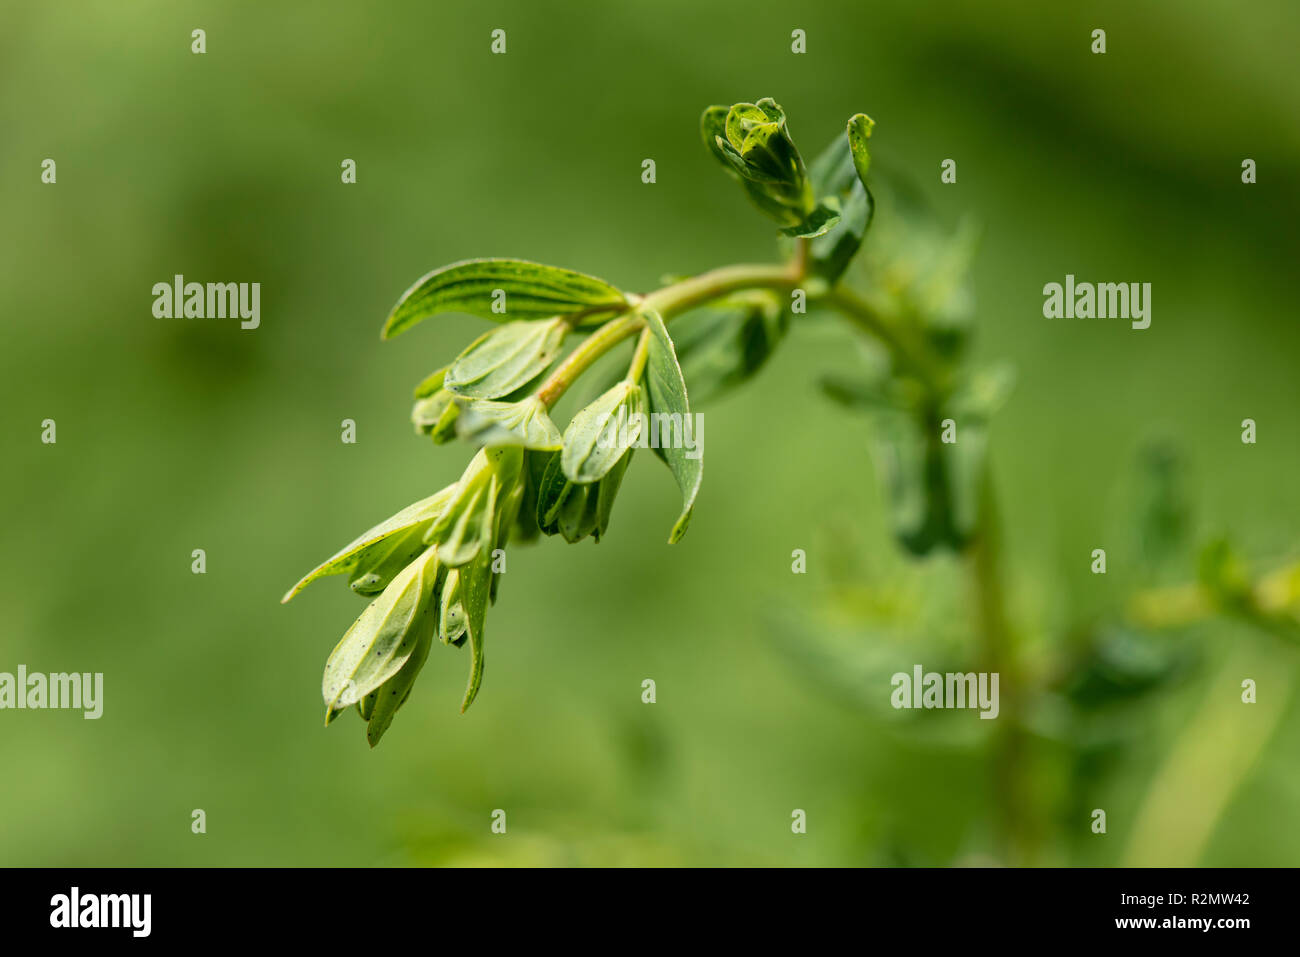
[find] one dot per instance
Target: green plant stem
(1016, 827)
(669, 301)
(858, 311)
(580, 359)
(640, 357)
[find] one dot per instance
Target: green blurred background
(175, 435)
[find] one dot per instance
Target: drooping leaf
(465, 527)
(392, 694)
(607, 491)
(374, 573)
(371, 543)
(451, 612)
(666, 395)
(599, 434)
(383, 638)
(475, 585)
(531, 291)
(526, 424)
(503, 360)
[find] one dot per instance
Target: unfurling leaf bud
(754, 146)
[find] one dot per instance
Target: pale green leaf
(381, 640)
(666, 391)
(503, 360)
(526, 424)
(599, 434)
(370, 544)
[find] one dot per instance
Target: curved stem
(864, 316)
(580, 359)
(669, 301)
(640, 357)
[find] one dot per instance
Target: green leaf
(820, 221)
(600, 433)
(666, 392)
(451, 612)
(475, 585)
(466, 526)
(373, 575)
(753, 145)
(393, 693)
(367, 548)
(532, 291)
(380, 641)
(607, 491)
(860, 127)
(832, 251)
(431, 383)
(836, 175)
(506, 358)
(721, 348)
(436, 415)
(526, 424)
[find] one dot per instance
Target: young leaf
(393, 693)
(475, 584)
(836, 174)
(820, 221)
(860, 127)
(492, 424)
(380, 641)
(753, 145)
(374, 574)
(525, 290)
(506, 358)
(666, 391)
(370, 544)
(607, 491)
(431, 383)
(451, 613)
(599, 434)
(466, 526)
(436, 415)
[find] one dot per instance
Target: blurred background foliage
(772, 687)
